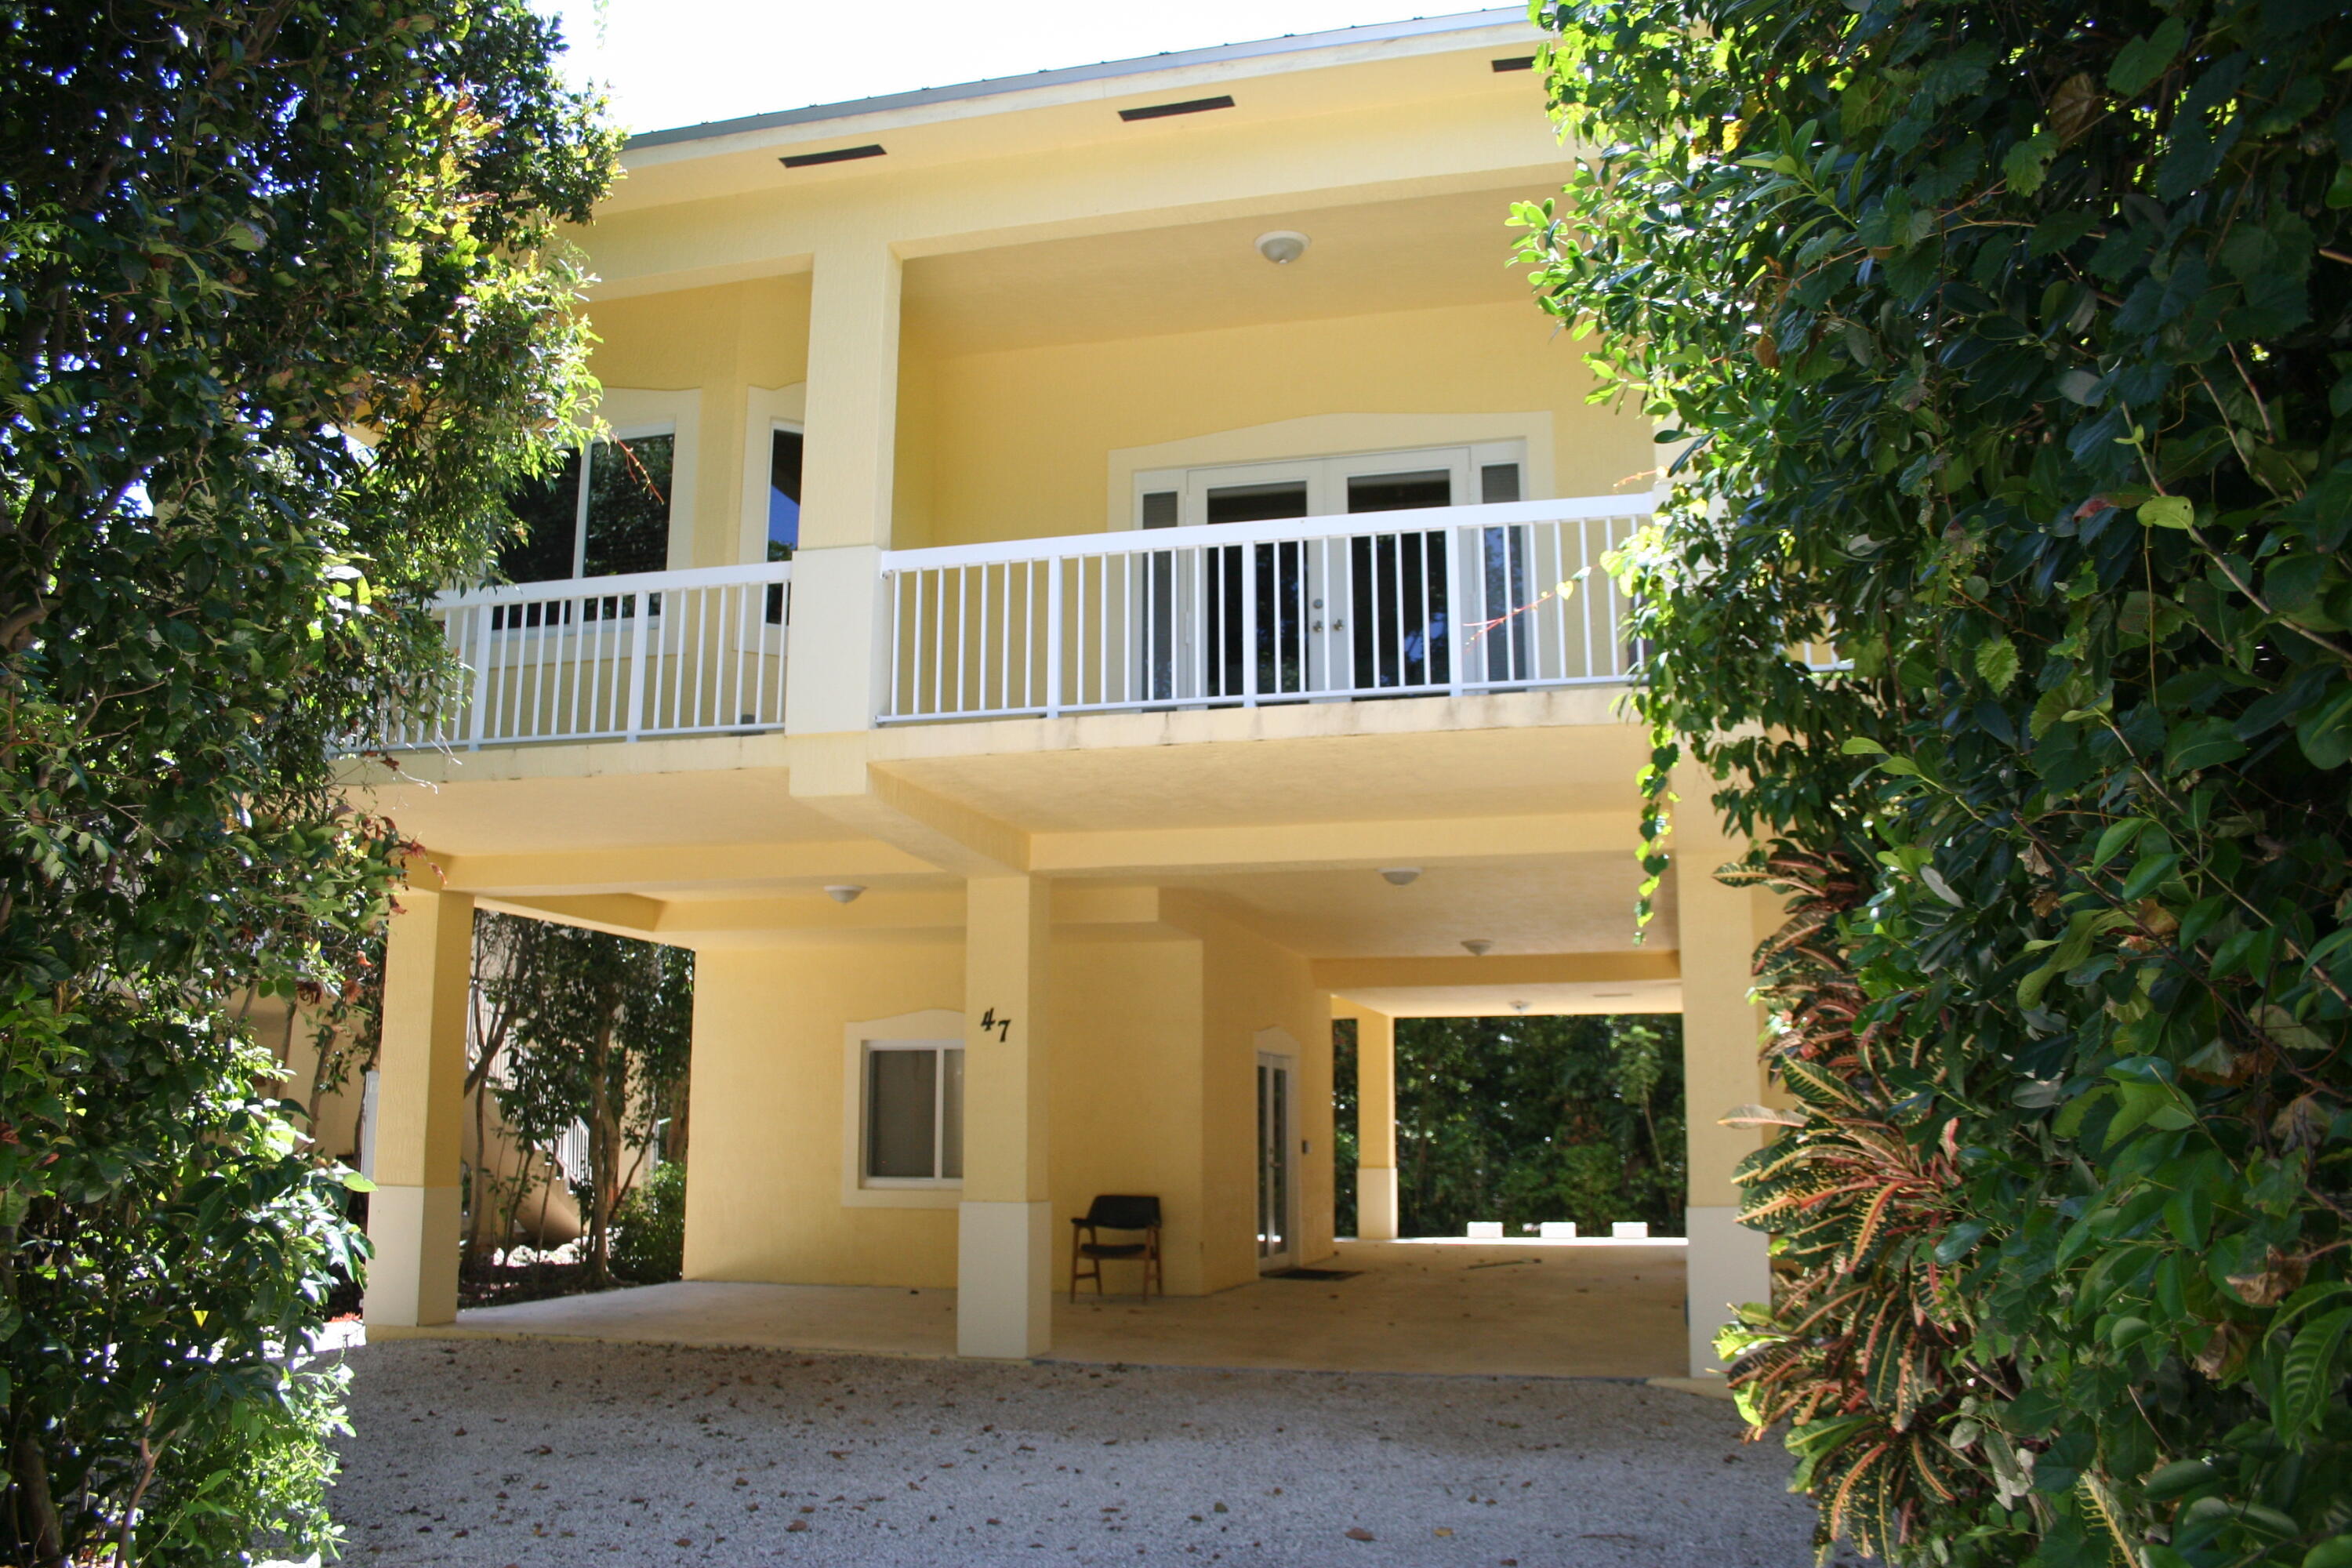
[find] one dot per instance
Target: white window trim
(1326, 477)
(1324, 436)
(937, 1026)
(868, 1050)
(767, 409)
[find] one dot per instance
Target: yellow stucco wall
(1154, 1047)
(720, 341)
(764, 1190)
(1017, 443)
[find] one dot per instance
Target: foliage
(1527, 1120)
(600, 1034)
(2013, 348)
(649, 1239)
(229, 234)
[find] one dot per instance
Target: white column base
(1376, 1203)
(1728, 1266)
(1004, 1288)
(412, 1281)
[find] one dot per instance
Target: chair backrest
(1117, 1211)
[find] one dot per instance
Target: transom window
(914, 1113)
(600, 518)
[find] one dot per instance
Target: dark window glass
(548, 513)
(1498, 482)
(901, 1113)
(1400, 492)
(784, 495)
(1256, 503)
(628, 507)
(1159, 510)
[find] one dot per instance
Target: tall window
(914, 1112)
(783, 494)
(597, 519)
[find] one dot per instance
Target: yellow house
(979, 651)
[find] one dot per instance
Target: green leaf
(2205, 743)
(2168, 511)
(2142, 61)
(2325, 737)
(1860, 746)
(2311, 1373)
(2116, 837)
(1997, 662)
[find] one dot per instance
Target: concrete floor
(542, 1453)
(1581, 1309)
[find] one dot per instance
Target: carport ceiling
(1560, 903)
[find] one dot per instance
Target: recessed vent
(838, 155)
(1190, 106)
(1515, 63)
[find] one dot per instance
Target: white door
(1277, 1185)
(1323, 617)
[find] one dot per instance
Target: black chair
(1117, 1213)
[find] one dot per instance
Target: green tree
(1527, 1119)
(2002, 589)
(600, 1032)
(282, 319)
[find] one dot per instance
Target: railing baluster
(1052, 637)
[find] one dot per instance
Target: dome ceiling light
(844, 892)
(1478, 947)
(1399, 875)
(1282, 246)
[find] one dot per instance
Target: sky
(682, 62)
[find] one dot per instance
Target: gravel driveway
(546, 1453)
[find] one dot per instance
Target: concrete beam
(1349, 974)
(1329, 846)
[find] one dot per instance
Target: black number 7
(1004, 1027)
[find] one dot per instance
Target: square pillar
(1728, 1264)
(1376, 1177)
(413, 1215)
(852, 425)
(1005, 1253)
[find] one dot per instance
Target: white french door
(1357, 613)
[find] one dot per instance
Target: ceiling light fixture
(1399, 876)
(1478, 947)
(844, 892)
(1282, 246)
(1518, 1006)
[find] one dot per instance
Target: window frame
(1326, 475)
(584, 487)
(866, 1179)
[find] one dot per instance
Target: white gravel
(548, 1453)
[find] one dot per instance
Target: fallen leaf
(1440, 1530)
(796, 1525)
(1358, 1532)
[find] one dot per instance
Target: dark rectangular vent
(838, 155)
(1190, 106)
(1517, 63)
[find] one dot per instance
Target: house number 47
(1004, 1027)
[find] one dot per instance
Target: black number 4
(1004, 1027)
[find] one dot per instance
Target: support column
(1728, 1264)
(1376, 1177)
(1004, 1254)
(428, 961)
(846, 491)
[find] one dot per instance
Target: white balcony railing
(1449, 600)
(587, 658)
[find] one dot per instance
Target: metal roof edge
(1420, 26)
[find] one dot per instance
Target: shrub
(649, 1240)
(2002, 589)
